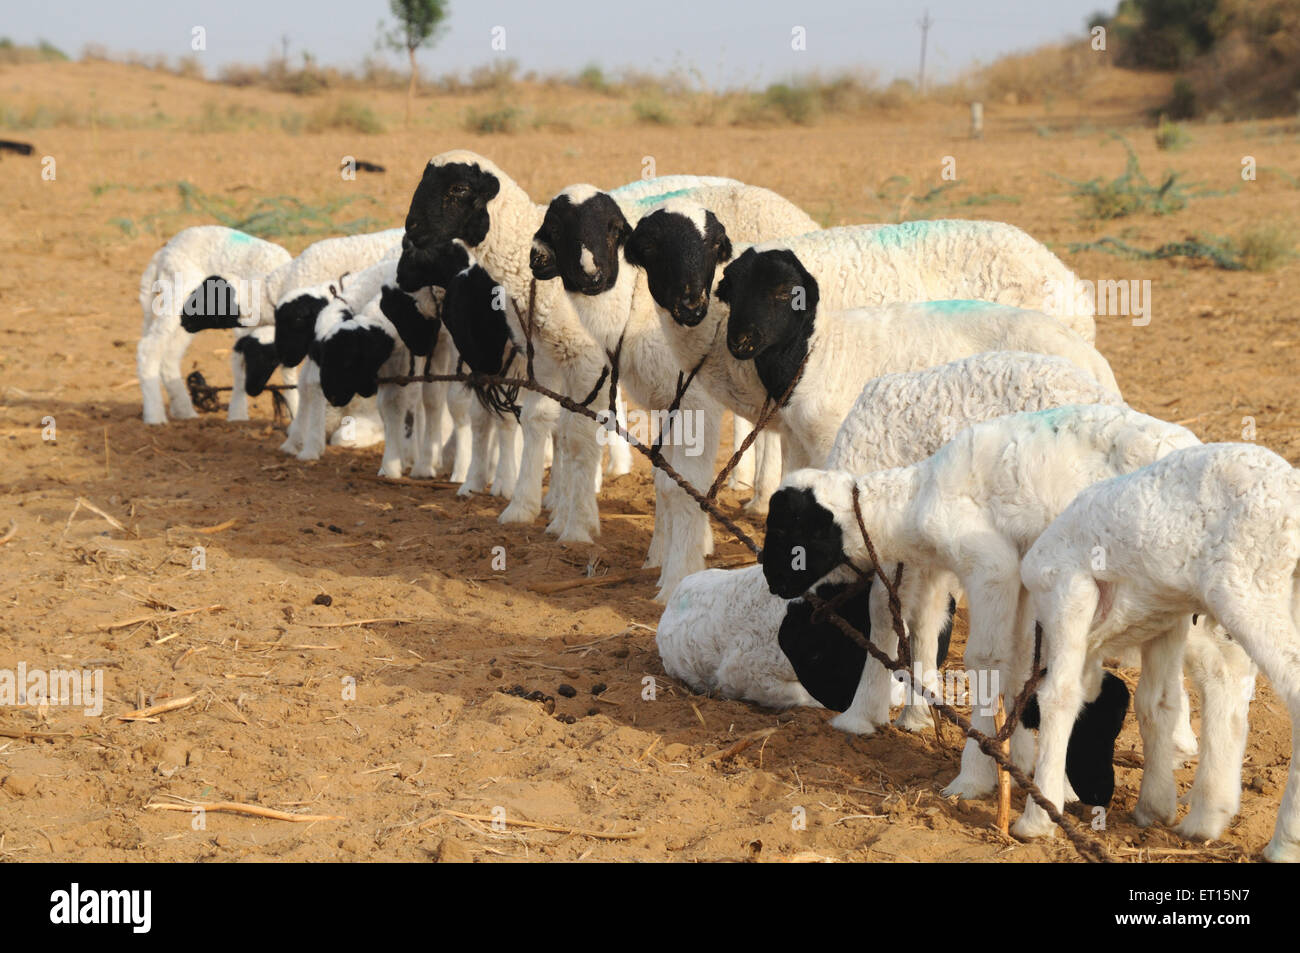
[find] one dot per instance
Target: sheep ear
(721, 243)
(812, 293)
(723, 294)
(624, 234)
(632, 251)
(542, 258)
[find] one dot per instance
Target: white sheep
(683, 249)
(207, 276)
(845, 349)
(723, 632)
(1209, 529)
(972, 510)
(902, 418)
(580, 242)
(465, 196)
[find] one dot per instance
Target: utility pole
(924, 23)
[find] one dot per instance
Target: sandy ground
(430, 728)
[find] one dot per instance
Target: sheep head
(773, 300)
(579, 241)
(451, 202)
(804, 540)
(680, 246)
(295, 321)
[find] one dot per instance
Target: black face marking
(796, 519)
(260, 361)
(596, 225)
(349, 361)
(827, 662)
(213, 304)
(295, 323)
(418, 333)
(476, 325)
(679, 262)
(1090, 754)
(451, 202)
(432, 267)
(773, 303)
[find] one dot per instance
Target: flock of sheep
(935, 388)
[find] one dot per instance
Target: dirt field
(429, 729)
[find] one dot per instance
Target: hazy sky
(730, 43)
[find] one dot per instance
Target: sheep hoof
(517, 512)
(391, 471)
(969, 789)
(853, 724)
(184, 413)
(913, 719)
(1145, 816)
(1201, 825)
(1028, 828)
(155, 421)
(237, 418)
(1282, 851)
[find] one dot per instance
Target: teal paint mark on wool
(959, 306)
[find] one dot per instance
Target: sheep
(778, 327)
(902, 418)
(207, 276)
(478, 320)
(466, 196)
(723, 632)
(295, 291)
(1211, 529)
(342, 298)
(971, 510)
(580, 242)
(252, 362)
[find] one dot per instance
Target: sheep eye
(458, 191)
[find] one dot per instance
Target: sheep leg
(238, 409)
(1156, 704)
(654, 557)
(178, 395)
(482, 434)
(507, 469)
(391, 400)
(742, 477)
(1225, 677)
(148, 368)
(993, 593)
(1066, 614)
(459, 400)
(689, 535)
(536, 418)
(1268, 631)
(577, 518)
(926, 600)
(432, 398)
(312, 415)
(870, 705)
(769, 459)
(620, 451)
(289, 378)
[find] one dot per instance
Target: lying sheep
(580, 241)
(208, 276)
(1207, 529)
(972, 509)
(722, 632)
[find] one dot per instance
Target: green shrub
(502, 119)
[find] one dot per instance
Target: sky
(746, 43)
